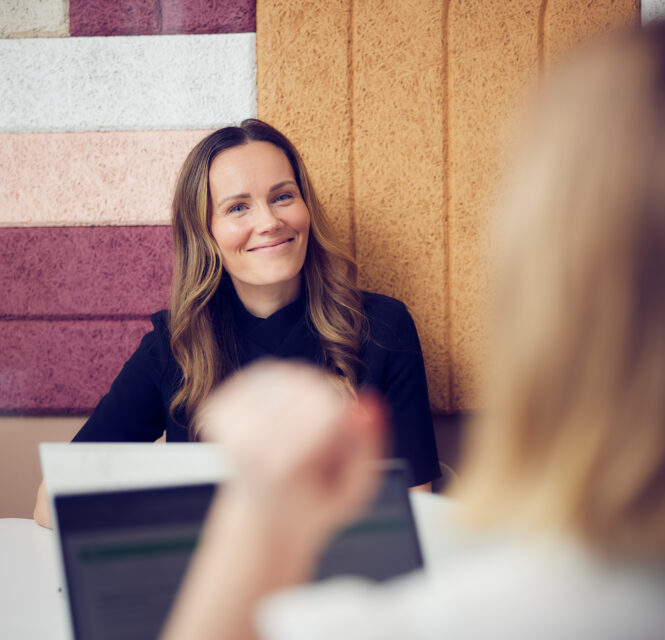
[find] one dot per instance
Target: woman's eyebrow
(279, 185)
(237, 196)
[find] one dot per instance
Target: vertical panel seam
(352, 168)
(447, 316)
(542, 15)
(67, 16)
(256, 55)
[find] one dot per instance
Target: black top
(136, 409)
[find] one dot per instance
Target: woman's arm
(395, 366)
(301, 451)
(42, 510)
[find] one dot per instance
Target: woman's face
(259, 220)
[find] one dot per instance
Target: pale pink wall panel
(62, 366)
(83, 271)
(78, 179)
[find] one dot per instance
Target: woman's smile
(274, 246)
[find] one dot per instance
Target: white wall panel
(127, 83)
(26, 18)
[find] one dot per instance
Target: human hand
(300, 445)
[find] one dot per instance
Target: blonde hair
(207, 351)
(574, 435)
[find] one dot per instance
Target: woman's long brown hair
(334, 304)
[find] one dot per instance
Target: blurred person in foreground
(564, 475)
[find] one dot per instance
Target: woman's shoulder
(379, 306)
(389, 321)
(157, 342)
(160, 322)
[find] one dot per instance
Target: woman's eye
(236, 208)
(284, 197)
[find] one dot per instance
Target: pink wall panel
(71, 179)
(83, 271)
(151, 17)
(62, 366)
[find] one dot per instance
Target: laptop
(128, 517)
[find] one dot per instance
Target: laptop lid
(124, 550)
(71, 469)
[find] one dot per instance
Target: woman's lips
(272, 246)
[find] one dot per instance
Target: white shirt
(550, 588)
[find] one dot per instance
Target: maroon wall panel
(151, 17)
(114, 17)
(83, 271)
(74, 305)
(56, 367)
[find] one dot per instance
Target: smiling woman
(258, 273)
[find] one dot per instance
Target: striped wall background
(400, 108)
(100, 101)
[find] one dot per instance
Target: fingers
(300, 446)
(366, 422)
(272, 413)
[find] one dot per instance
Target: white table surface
(32, 604)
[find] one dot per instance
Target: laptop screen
(125, 552)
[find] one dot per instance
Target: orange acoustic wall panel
(567, 22)
(401, 110)
(398, 166)
(492, 58)
(303, 87)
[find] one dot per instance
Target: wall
(402, 109)
(100, 101)
(94, 125)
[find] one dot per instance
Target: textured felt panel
(567, 22)
(126, 83)
(150, 17)
(208, 16)
(114, 17)
(51, 272)
(304, 90)
(33, 18)
(398, 162)
(652, 10)
(491, 62)
(117, 178)
(405, 107)
(62, 366)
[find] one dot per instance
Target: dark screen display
(125, 552)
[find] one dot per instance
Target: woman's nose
(266, 219)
